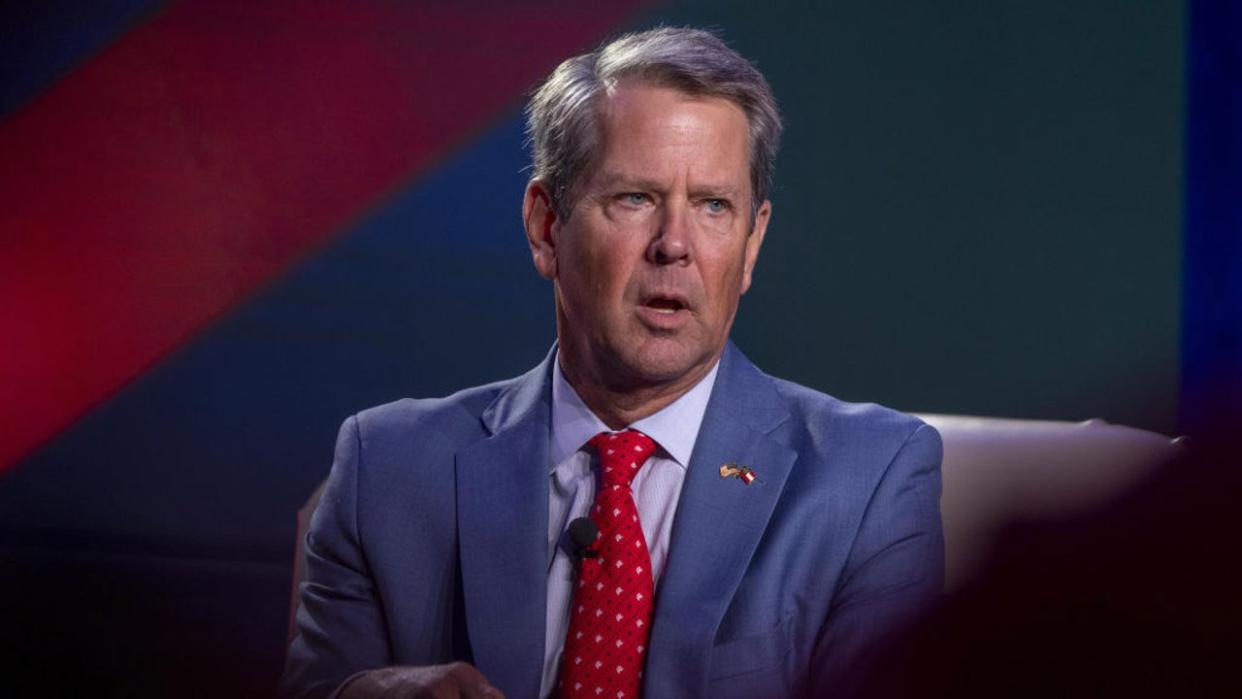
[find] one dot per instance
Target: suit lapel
(718, 525)
(502, 511)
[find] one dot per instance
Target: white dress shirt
(573, 473)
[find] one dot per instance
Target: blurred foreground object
(1107, 573)
(999, 471)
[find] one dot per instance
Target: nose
(671, 244)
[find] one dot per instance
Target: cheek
(728, 287)
(596, 276)
(596, 268)
(611, 265)
(730, 266)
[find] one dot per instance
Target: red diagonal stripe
(165, 179)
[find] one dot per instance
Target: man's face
(651, 262)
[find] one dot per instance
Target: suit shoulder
(824, 417)
(454, 417)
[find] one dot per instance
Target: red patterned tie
(611, 614)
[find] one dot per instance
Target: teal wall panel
(977, 206)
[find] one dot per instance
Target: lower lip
(664, 320)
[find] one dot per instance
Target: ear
(539, 216)
(754, 241)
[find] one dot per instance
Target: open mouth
(664, 305)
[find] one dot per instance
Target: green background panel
(977, 206)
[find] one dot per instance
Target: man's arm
(340, 626)
(895, 568)
(341, 647)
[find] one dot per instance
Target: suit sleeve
(894, 571)
(340, 626)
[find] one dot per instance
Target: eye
(634, 198)
(716, 206)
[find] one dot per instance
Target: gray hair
(562, 117)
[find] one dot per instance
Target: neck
(621, 406)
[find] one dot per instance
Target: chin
(664, 364)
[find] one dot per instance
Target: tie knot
(621, 454)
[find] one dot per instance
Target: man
(770, 534)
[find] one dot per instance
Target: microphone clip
(582, 535)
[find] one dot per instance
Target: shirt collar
(675, 427)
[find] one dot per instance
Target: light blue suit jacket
(430, 542)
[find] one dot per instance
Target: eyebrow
(609, 180)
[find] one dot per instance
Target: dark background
(981, 208)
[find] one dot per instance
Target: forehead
(658, 132)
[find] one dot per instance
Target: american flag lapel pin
(744, 474)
